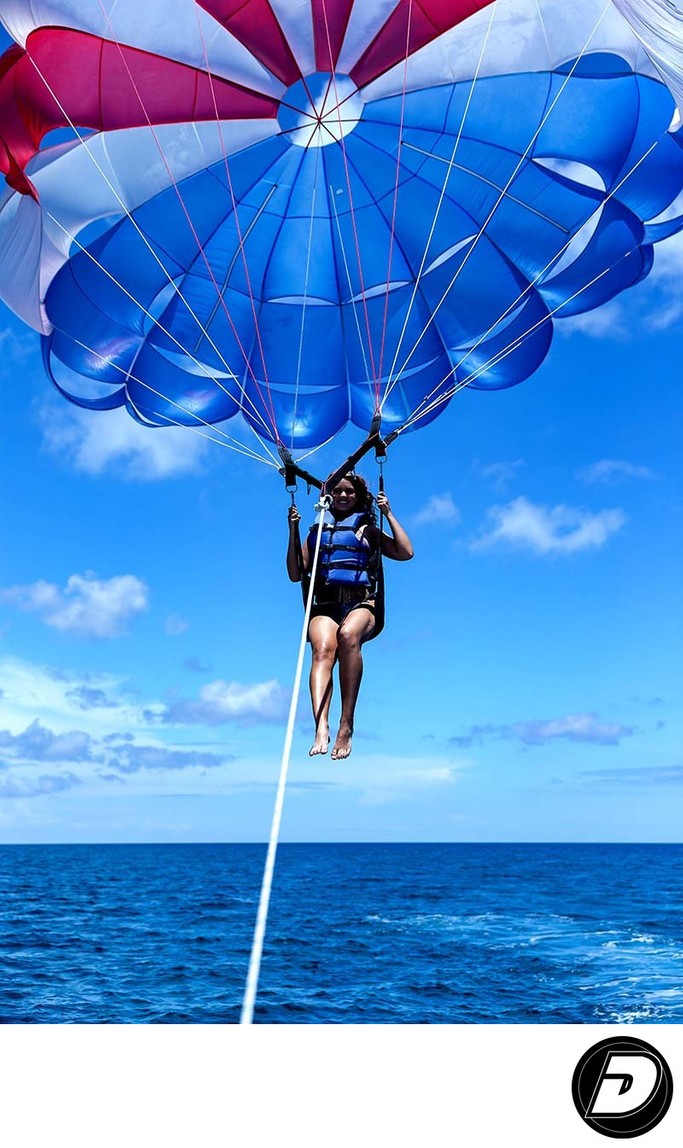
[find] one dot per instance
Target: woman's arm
(296, 553)
(398, 546)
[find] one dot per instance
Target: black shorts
(338, 611)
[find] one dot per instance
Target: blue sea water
(357, 933)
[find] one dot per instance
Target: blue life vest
(344, 559)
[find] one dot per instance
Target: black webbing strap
(380, 455)
(374, 441)
(291, 469)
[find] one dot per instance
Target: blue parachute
(338, 221)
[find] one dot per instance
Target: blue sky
(527, 684)
(525, 687)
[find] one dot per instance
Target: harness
(348, 569)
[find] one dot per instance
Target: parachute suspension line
(442, 196)
(267, 881)
(392, 227)
(193, 230)
(74, 240)
(230, 442)
(297, 381)
(291, 488)
(315, 449)
(427, 405)
(502, 195)
(352, 296)
(354, 223)
(231, 266)
(241, 240)
(502, 354)
(84, 141)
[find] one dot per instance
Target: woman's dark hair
(364, 499)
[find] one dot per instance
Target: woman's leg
(322, 634)
(356, 627)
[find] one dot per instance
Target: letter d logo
(622, 1087)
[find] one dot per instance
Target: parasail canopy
(304, 212)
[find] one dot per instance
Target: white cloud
(221, 701)
(572, 727)
(47, 785)
(175, 625)
(612, 471)
(639, 775)
(499, 474)
(37, 743)
(582, 727)
(547, 530)
(130, 758)
(108, 758)
(655, 304)
(50, 742)
(87, 697)
(97, 702)
(665, 282)
(439, 508)
(17, 345)
(86, 724)
(99, 441)
(606, 322)
(382, 779)
(103, 704)
(88, 606)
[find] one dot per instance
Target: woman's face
(343, 496)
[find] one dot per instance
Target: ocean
(357, 933)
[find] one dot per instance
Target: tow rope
(291, 471)
(267, 882)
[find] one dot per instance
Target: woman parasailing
(345, 596)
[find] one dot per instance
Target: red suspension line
(375, 380)
(392, 232)
(193, 230)
(252, 301)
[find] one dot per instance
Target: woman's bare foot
(342, 746)
(321, 743)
